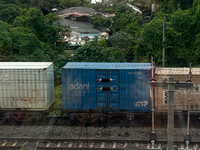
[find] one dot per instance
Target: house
(78, 18)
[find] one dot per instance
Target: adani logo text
(78, 86)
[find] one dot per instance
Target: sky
(95, 1)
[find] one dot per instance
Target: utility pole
(164, 40)
(189, 100)
(171, 86)
(170, 123)
(152, 95)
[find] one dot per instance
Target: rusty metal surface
(26, 85)
(182, 97)
(176, 71)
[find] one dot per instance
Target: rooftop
(24, 65)
(95, 65)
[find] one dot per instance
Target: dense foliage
(30, 33)
(182, 29)
(97, 51)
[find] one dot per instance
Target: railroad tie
(114, 145)
(37, 143)
(125, 144)
(159, 146)
(137, 144)
(5, 142)
(182, 146)
(59, 143)
(91, 145)
(48, 144)
(80, 144)
(15, 143)
(195, 147)
(102, 145)
(148, 146)
(70, 144)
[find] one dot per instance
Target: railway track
(83, 144)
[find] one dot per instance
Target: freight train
(92, 91)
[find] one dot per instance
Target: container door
(101, 95)
(107, 91)
(113, 94)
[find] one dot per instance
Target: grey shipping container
(106, 86)
(26, 85)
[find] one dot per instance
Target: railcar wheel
(72, 117)
(8, 116)
(36, 116)
(130, 116)
(131, 148)
(102, 117)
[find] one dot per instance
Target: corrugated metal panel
(88, 65)
(26, 86)
(135, 92)
(182, 95)
(110, 98)
(178, 71)
(82, 87)
(78, 89)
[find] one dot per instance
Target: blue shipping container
(106, 86)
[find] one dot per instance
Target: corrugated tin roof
(83, 10)
(178, 71)
(79, 26)
(24, 65)
(94, 65)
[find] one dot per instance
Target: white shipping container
(26, 85)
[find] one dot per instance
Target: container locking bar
(105, 79)
(107, 88)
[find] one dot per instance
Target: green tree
(104, 7)
(5, 42)
(149, 43)
(196, 52)
(9, 12)
(45, 6)
(44, 27)
(125, 20)
(99, 20)
(26, 46)
(196, 12)
(183, 22)
(20, 3)
(74, 3)
(59, 61)
(93, 51)
(33, 19)
(169, 6)
(123, 42)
